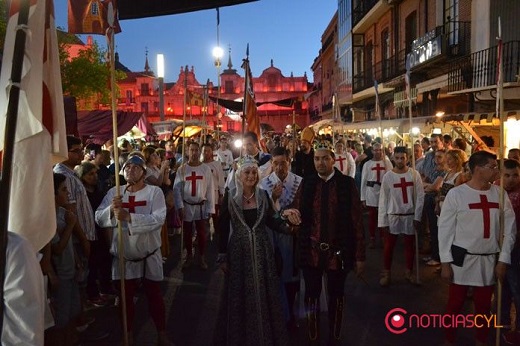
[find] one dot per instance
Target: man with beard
(304, 159)
(469, 241)
(282, 186)
(218, 180)
(371, 178)
(401, 203)
(331, 239)
(193, 192)
(141, 210)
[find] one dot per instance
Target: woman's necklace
(248, 199)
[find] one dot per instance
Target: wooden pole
(120, 245)
(245, 66)
(409, 94)
(501, 156)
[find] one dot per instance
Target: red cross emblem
(193, 178)
(403, 185)
(486, 207)
(132, 203)
(378, 168)
(340, 159)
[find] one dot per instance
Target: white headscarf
(237, 193)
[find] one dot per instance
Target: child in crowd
(65, 293)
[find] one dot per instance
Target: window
(385, 53)
(451, 18)
(230, 126)
(271, 82)
(145, 91)
(229, 89)
(144, 107)
(94, 8)
(129, 98)
(369, 62)
(410, 31)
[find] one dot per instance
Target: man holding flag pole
(106, 24)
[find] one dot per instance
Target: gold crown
(246, 160)
(324, 145)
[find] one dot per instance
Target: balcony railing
(361, 10)
(455, 38)
(480, 69)
(450, 40)
(382, 72)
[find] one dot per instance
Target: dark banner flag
(92, 16)
(131, 9)
(251, 112)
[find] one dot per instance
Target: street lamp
(160, 75)
(217, 54)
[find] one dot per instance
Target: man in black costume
(303, 159)
(331, 238)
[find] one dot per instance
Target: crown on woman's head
(323, 144)
(246, 160)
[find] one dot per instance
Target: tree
(86, 76)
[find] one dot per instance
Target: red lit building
(139, 93)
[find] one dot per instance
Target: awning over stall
(96, 126)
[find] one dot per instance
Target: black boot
(335, 320)
(312, 308)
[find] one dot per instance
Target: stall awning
(96, 126)
(479, 116)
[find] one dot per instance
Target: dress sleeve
(224, 224)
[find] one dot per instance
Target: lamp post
(217, 54)
(160, 75)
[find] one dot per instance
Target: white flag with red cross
(40, 139)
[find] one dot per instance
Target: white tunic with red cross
(193, 190)
(470, 219)
(345, 164)
(141, 236)
(371, 178)
(401, 201)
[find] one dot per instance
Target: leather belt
(373, 183)
(323, 246)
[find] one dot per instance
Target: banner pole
(120, 245)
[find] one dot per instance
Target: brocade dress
(251, 307)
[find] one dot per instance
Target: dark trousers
(511, 290)
(481, 299)
(429, 206)
(153, 293)
(200, 226)
(99, 268)
(335, 283)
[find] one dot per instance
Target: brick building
(138, 92)
(450, 47)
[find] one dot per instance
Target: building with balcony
(448, 48)
(325, 74)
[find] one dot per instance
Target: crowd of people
(283, 211)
